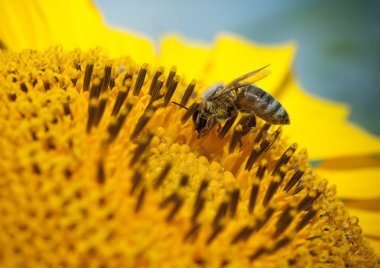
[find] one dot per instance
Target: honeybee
(223, 102)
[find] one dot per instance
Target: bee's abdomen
(264, 105)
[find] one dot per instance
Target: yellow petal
(375, 243)
(348, 162)
(367, 204)
(39, 24)
(322, 126)
(358, 183)
(140, 49)
(356, 179)
(234, 56)
(190, 58)
(17, 16)
(368, 221)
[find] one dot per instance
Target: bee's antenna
(180, 105)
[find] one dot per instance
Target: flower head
(99, 168)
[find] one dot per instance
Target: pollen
(100, 169)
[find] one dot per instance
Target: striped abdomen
(264, 105)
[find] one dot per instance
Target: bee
(223, 103)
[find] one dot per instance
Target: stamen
(258, 253)
(95, 89)
(308, 200)
(307, 218)
(244, 234)
(34, 135)
(261, 170)
(66, 109)
(141, 123)
(248, 122)
(215, 233)
(224, 263)
(199, 201)
(172, 73)
(284, 221)
(271, 248)
(77, 65)
(112, 83)
(87, 76)
(140, 79)
(158, 73)
(284, 159)
(222, 211)
(24, 87)
(115, 126)
(127, 77)
(275, 136)
(193, 232)
(189, 112)
(74, 81)
(263, 130)
(273, 186)
(68, 173)
(36, 169)
(298, 188)
(176, 199)
(257, 151)
(188, 92)
(234, 202)
(12, 96)
(184, 180)
(281, 243)
(268, 214)
(101, 177)
(178, 204)
(123, 93)
(140, 149)
(162, 175)
(136, 180)
(227, 126)
(171, 90)
(157, 87)
(106, 78)
(171, 198)
(293, 180)
(253, 196)
(50, 144)
(140, 200)
(236, 137)
(200, 261)
(46, 85)
(100, 109)
(91, 114)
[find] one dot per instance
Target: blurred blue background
(339, 41)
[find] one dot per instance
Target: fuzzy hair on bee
(223, 102)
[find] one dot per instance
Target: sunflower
(99, 168)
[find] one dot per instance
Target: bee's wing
(253, 76)
(243, 80)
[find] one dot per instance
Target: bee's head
(203, 123)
